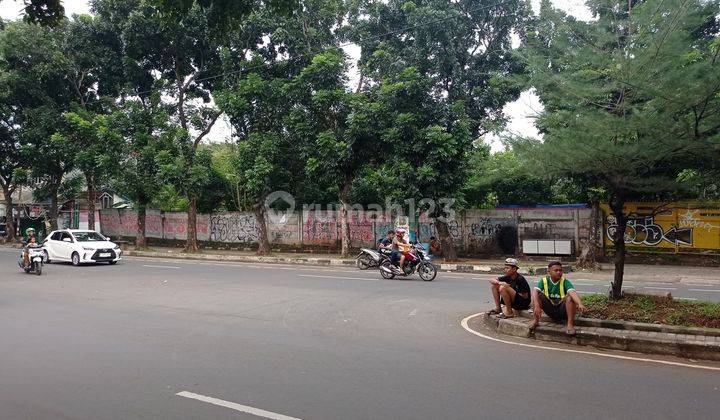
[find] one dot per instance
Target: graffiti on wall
(428, 229)
(484, 227)
(326, 229)
(233, 227)
(118, 222)
(693, 219)
(642, 230)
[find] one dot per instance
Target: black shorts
(553, 311)
(519, 303)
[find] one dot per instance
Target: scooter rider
(28, 241)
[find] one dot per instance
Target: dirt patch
(654, 310)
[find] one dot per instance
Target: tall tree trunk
(344, 222)
(446, 241)
(191, 245)
(10, 222)
(616, 204)
(53, 207)
(263, 242)
(91, 202)
(140, 239)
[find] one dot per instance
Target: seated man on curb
(556, 296)
(511, 289)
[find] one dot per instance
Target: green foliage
(146, 132)
(98, 145)
(44, 12)
(167, 198)
(644, 303)
(436, 88)
(222, 13)
(628, 106)
(507, 178)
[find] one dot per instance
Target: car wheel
(75, 259)
(47, 257)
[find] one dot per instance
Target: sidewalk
(633, 272)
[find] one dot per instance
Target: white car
(80, 246)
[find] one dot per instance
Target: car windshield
(88, 236)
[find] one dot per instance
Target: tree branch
(206, 130)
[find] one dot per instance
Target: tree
(98, 150)
(36, 93)
(270, 105)
(183, 53)
(13, 161)
(143, 125)
(340, 127)
(440, 75)
(631, 99)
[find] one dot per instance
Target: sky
(520, 113)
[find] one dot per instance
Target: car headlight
(117, 247)
(87, 248)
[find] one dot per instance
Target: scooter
(419, 261)
(36, 255)
(369, 258)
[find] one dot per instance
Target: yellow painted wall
(678, 226)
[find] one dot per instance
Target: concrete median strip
(686, 342)
(465, 323)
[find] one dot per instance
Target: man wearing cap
(556, 296)
(511, 289)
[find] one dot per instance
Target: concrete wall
(473, 231)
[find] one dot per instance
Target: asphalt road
(120, 342)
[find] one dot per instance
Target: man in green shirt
(556, 296)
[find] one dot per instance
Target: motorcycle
(419, 262)
(36, 255)
(369, 258)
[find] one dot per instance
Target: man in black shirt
(512, 288)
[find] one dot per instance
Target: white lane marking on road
(413, 312)
(235, 406)
(336, 277)
(704, 290)
(661, 288)
(464, 324)
(160, 266)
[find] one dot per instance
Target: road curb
(691, 343)
(335, 262)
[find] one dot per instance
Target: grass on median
(654, 309)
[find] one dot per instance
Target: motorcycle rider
(29, 241)
(400, 249)
(386, 242)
